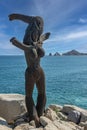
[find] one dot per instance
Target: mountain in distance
(73, 52)
(69, 53)
(56, 54)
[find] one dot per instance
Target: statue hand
(12, 17)
(12, 39)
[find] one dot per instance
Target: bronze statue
(32, 46)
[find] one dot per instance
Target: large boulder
(69, 108)
(74, 116)
(11, 105)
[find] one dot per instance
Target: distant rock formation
(56, 54)
(69, 53)
(73, 52)
(50, 54)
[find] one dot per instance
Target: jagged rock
(49, 113)
(11, 105)
(62, 116)
(51, 126)
(74, 116)
(56, 54)
(44, 121)
(55, 107)
(68, 108)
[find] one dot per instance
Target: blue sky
(65, 19)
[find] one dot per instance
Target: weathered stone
(55, 107)
(74, 116)
(63, 125)
(44, 121)
(32, 123)
(50, 126)
(11, 105)
(83, 124)
(3, 121)
(49, 113)
(68, 108)
(62, 116)
(24, 126)
(3, 127)
(83, 116)
(36, 129)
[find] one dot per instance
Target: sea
(66, 78)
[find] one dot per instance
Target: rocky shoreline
(56, 117)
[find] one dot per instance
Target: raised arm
(44, 36)
(24, 18)
(24, 47)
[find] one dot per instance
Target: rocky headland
(69, 53)
(56, 117)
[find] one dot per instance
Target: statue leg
(29, 86)
(41, 99)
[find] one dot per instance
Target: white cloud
(81, 20)
(68, 37)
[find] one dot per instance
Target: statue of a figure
(32, 46)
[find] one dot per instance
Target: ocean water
(66, 78)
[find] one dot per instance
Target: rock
(74, 116)
(36, 129)
(50, 54)
(3, 127)
(24, 126)
(49, 113)
(3, 121)
(44, 121)
(11, 105)
(82, 124)
(68, 108)
(32, 123)
(83, 116)
(63, 125)
(62, 116)
(55, 107)
(50, 126)
(56, 54)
